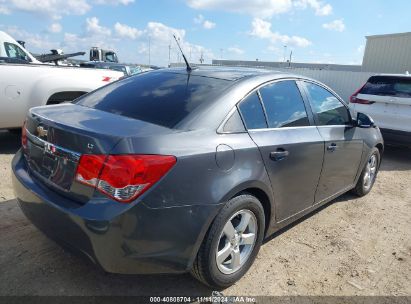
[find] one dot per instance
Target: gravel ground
(349, 247)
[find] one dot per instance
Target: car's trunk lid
(58, 135)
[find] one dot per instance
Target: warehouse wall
(272, 64)
(388, 53)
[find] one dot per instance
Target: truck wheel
(232, 242)
(15, 131)
(61, 97)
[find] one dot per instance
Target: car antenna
(184, 57)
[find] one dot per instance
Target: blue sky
(322, 31)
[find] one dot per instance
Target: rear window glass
(388, 86)
(161, 98)
(252, 112)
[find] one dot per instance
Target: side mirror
(364, 121)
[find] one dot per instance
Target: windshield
(162, 98)
(15, 52)
(111, 57)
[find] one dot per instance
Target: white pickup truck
(31, 84)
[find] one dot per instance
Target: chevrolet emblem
(41, 132)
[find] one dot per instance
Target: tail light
(354, 99)
(24, 136)
(123, 177)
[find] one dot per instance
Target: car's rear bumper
(396, 137)
(135, 239)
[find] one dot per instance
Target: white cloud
(206, 24)
(324, 10)
(34, 41)
(93, 34)
(114, 2)
(4, 10)
(336, 25)
(274, 49)
(55, 28)
(161, 32)
(262, 29)
(361, 49)
(199, 19)
(159, 35)
(320, 8)
(74, 42)
(124, 30)
(93, 27)
(55, 8)
(261, 8)
(236, 50)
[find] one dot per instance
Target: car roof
(226, 73)
(393, 75)
(240, 82)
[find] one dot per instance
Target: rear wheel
(369, 174)
(232, 242)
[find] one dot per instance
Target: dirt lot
(350, 247)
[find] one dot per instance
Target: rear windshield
(162, 98)
(388, 86)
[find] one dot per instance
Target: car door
(290, 144)
(343, 143)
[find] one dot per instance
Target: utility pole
(169, 55)
(291, 55)
(201, 58)
(149, 50)
(178, 53)
(221, 54)
(285, 52)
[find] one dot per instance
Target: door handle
(278, 155)
(332, 147)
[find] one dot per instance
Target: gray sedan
(174, 171)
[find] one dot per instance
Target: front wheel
(369, 174)
(232, 242)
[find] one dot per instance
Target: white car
(387, 99)
(23, 86)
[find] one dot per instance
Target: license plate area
(53, 164)
(49, 163)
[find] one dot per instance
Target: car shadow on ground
(345, 197)
(43, 268)
(396, 159)
(10, 142)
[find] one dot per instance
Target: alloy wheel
(236, 241)
(370, 172)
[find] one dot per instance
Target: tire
(15, 131)
(220, 275)
(367, 178)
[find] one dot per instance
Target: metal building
(285, 65)
(388, 53)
